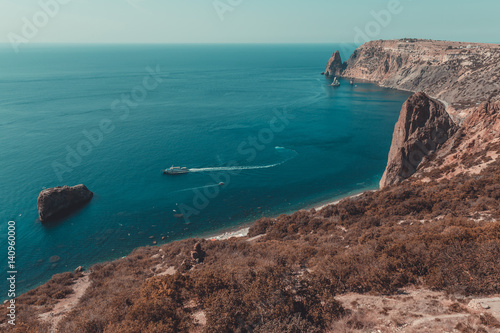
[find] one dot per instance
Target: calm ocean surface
(212, 110)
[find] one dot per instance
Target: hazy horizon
(236, 43)
(245, 22)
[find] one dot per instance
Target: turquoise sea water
(259, 118)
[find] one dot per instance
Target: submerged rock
(423, 127)
(54, 259)
(57, 202)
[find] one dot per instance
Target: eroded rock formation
(57, 202)
(422, 128)
(472, 149)
(334, 66)
(460, 75)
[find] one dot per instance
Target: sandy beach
(230, 234)
(336, 201)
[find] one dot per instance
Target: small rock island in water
(57, 202)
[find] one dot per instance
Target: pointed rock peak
(334, 66)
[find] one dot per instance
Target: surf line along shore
(243, 231)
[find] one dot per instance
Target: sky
(246, 21)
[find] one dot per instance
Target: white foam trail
(232, 168)
(236, 168)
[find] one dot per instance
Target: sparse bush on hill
(440, 235)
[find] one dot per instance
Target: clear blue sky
(250, 21)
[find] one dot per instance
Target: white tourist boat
(175, 170)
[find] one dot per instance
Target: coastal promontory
(456, 82)
(460, 74)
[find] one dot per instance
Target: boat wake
(233, 168)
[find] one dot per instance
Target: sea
(261, 131)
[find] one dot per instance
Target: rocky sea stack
(462, 74)
(461, 78)
(334, 66)
(57, 202)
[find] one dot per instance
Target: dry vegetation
(440, 235)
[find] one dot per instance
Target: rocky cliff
(464, 77)
(56, 202)
(461, 74)
(335, 65)
(422, 128)
(474, 147)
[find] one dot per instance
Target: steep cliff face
(422, 128)
(462, 74)
(335, 65)
(459, 75)
(474, 147)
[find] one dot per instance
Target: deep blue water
(211, 100)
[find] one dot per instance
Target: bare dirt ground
(65, 305)
(417, 310)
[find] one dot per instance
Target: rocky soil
(474, 147)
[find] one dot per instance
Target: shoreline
(445, 103)
(242, 230)
(237, 231)
(332, 203)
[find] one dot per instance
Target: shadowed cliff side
(422, 128)
(461, 75)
